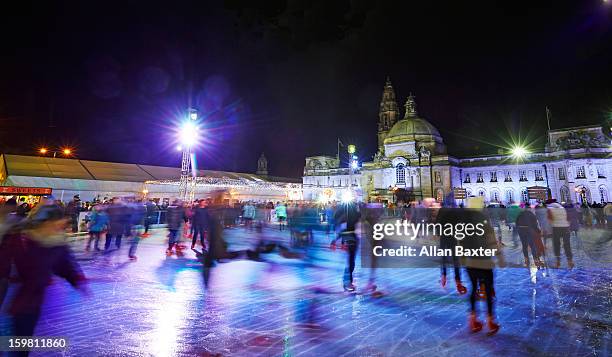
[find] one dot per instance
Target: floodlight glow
(193, 116)
(188, 134)
(67, 151)
(352, 149)
(179, 148)
(354, 164)
(519, 152)
(347, 196)
(42, 150)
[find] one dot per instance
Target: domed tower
(388, 114)
(415, 131)
(262, 165)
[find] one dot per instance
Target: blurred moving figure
(348, 221)
(72, 212)
(527, 225)
(39, 251)
(607, 211)
(541, 214)
(449, 214)
(248, 215)
(137, 211)
(496, 213)
(9, 220)
(512, 213)
(97, 224)
(281, 215)
(200, 222)
(371, 216)
(560, 227)
(175, 217)
(151, 216)
(118, 221)
(480, 268)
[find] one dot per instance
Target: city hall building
(575, 166)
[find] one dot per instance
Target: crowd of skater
(33, 243)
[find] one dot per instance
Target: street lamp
(519, 152)
(188, 134)
(64, 151)
(188, 137)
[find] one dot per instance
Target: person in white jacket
(560, 227)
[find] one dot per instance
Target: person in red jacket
(39, 251)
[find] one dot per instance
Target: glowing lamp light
(179, 148)
(145, 191)
(42, 151)
(66, 151)
(519, 152)
(354, 164)
(352, 149)
(193, 116)
(188, 134)
(347, 196)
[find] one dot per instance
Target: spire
(388, 112)
(262, 165)
(410, 106)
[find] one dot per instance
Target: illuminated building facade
(575, 166)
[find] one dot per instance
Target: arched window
(509, 196)
(583, 194)
(439, 195)
(481, 192)
(564, 194)
(400, 173)
(603, 194)
(494, 196)
(524, 195)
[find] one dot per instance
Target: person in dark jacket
(118, 215)
(200, 222)
(348, 221)
(38, 252)
(527, 225)
(450, 215)
(137, 212)
(151, 216)
(480, 268)
(175, 217)
(9, 224)
(72, 213)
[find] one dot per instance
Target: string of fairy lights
(225, 182)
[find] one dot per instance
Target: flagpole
(548, 123)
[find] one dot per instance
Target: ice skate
(350, 288)
(474, 324)
(461, 289)
(570, 263)
(492, 325)
(443, 281)
(557, 264)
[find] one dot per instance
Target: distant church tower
(388, 114)
(262, 166)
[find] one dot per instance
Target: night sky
(290, 77)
